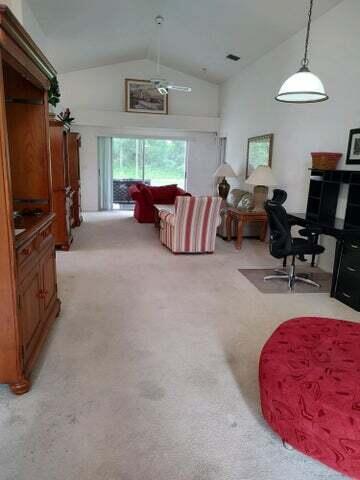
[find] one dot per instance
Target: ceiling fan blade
(179, 88)
(162, 90)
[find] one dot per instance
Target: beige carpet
(151, 370)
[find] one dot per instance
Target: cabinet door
(30, 310)
(48, 278)
(68, 216)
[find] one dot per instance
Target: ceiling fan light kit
(303, 86)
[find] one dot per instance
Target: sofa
(121, 189)
(192, 227)
(145, 197)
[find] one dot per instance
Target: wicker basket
(325, 160)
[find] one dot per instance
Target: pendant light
(304, 86)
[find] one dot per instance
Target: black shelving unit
(321, 210)
(324, 194)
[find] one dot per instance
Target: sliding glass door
(165, 161)
(153, 161)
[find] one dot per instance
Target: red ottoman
(310, 389)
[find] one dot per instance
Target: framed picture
(353, 154)
(259, 152)
(142, 97)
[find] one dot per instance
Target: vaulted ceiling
(196, 35)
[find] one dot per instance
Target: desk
(336, 229)
(243, 217)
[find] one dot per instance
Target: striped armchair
(192, 228)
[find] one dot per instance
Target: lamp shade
(262, 176)
(303, 87)
(225, 170)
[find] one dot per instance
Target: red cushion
(165, 194)
(146, 191)
(310, 389)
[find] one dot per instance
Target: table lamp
(223, 171)
(262, 178)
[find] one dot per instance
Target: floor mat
(256, 277)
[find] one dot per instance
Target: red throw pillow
(165, 194)
(147, 195)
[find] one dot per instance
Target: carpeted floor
(151, 370)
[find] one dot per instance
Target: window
(153, 161)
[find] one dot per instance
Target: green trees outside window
(161, 161)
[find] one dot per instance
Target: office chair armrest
(310, 231)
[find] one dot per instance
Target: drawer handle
(346, 295)
(351, 269)
(26, 251)
(42, 294)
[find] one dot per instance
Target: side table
(243, 217)
(222, 230)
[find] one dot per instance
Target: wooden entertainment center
(28, 286)
(74, 177)
(65, 179)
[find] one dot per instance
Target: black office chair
(312, 233)
(282, 244)
(279, 196)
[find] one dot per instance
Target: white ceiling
(196, 34)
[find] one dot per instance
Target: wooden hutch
(28, 286)
(62, 194)
(74, 174)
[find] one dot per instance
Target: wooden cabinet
(61, 189)
(37, 286)
(28, 288)
(29, 311)
(74, 176)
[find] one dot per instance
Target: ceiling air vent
(235, 58)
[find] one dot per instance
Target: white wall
(96, 99)
(202, 159)
(248, 107)
(33, 28)
(16, 7)
(103, 88)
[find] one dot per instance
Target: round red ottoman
(310, 389)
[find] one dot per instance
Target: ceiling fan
(161, 84)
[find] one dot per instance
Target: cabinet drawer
(26, 254)
(348, 289)
(43, 237)
(29, 253)
(349, 299)
(352, 270)
(351, 253)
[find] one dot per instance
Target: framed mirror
(259, 152)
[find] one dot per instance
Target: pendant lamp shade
(304, 86)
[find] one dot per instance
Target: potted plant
(66, 117)
(54, 94)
